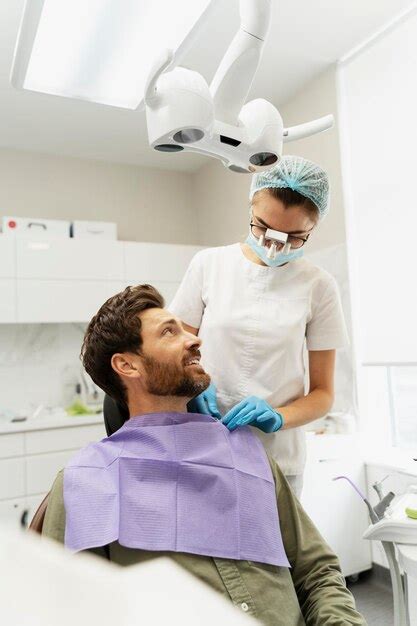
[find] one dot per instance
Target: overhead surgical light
(110, 51)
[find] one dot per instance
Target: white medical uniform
(254, 322)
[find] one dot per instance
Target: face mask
(262, 253)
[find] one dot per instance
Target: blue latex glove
(256, 412)
(205, 403)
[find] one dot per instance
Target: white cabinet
(12, 444)
(30, 460)
(7, 257)
(71, 438)
(7, 300)
(14, 512)
(12, 478)
(67, 280)
(69, 259)
(41, 469)
(150, 262)
(161, 265)
(59, 301)
(338, 512)
(7, 280)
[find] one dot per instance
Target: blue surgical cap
(298, 174)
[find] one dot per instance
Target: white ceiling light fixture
(100, 50)
(126, 52)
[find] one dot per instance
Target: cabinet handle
(24, 518)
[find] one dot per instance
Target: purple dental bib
(179, 482)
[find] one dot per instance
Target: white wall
(39, 364)
(147, 204)
(379, 99)
(221, 197)
(319, 98)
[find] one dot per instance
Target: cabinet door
(7, 300)
(70, 259)
(336, 509)
(70, 438)
(59, 301)
(12, 444)
(14, 512)
(152, 262)
(41, 470)
(7, 280)
(7, 257)
(12, 478)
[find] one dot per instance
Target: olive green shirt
(311, 592)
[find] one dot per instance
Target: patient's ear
(126, 364)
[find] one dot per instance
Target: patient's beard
(165, 379)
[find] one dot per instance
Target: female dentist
(256, 305)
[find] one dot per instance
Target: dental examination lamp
(184, 113)
(111, 53)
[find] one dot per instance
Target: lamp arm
(309, 128)
(233, 79)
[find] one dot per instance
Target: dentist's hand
(256, 412)
(205, 403)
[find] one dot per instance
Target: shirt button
(244, 607)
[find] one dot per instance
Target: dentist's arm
(320, 398)
(257, 412)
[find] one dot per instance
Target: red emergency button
(12, 224)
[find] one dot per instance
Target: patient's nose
(192, 342)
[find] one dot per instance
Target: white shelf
(40, 423)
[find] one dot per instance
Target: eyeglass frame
(265, 228)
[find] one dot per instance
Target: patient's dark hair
(116, 327)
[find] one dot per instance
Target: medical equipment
(112, 54)
(397, 524)
(391, 525)
(184, 113)
(272, 255)
(297, 174)
(275, 237)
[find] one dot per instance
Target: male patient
(178, 484)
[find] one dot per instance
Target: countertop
(44, 423)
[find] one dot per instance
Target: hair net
(298, 174)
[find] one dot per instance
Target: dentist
(260, 308)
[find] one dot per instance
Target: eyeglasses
(295, 242)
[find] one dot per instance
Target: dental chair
(114, 417)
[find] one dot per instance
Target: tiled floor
(373, 597)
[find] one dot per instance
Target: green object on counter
(411, 513)
(78, 408)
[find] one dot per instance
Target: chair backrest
(114, 415)
(38, 519)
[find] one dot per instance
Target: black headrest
(114, 415)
